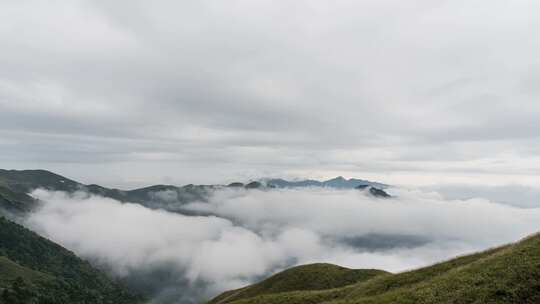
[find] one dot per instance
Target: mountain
(507, 274)
(16, 184)
(281, 183)
(36, 270)
(16, 203)
(339, 182)
(373, 188)
(374, 191)
(254, 185)
(27, 180)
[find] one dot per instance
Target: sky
(131, 93)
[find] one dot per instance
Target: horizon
(407, 180)
(222, 183)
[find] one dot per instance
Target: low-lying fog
(245, 235)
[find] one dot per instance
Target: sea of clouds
(243, 235)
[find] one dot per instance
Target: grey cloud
(214, 80)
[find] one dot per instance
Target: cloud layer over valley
(247, 234)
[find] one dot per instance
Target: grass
(507, 274)
(307, 277)
(11, 271)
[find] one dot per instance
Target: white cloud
(515, 195)
(252, 233)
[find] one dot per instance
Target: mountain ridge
(337, 182)
(16, 184)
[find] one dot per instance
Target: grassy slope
(306, 277)
(508, 274)
(10, 270)
(23, 181)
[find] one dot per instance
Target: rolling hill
(507, 274)
(301, 278)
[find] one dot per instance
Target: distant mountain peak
(336, 182)
(374, 191)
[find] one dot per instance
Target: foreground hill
(305, 277)
(36, 270)
(508, 274)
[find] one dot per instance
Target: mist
(524, 196)
(243, 235)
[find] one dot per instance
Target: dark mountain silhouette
(16, 184)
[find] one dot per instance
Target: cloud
(217, 91)
(411, 213)
(514, 195)
(249, 234)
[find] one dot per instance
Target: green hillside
(10, 271)
(15, 202)
(16, 184)
(306, 277)
(508, 274)
(36, 270)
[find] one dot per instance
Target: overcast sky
(127, 93)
